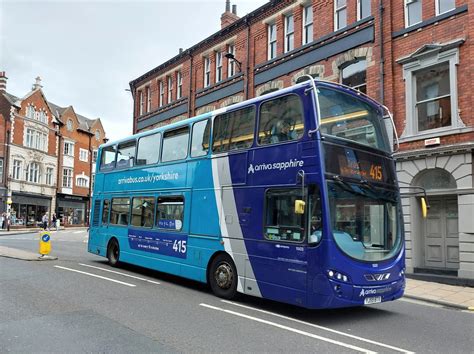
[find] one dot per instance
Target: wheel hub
(224, 276)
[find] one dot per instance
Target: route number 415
(179, 246)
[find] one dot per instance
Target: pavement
(460, 297)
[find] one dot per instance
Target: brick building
(35, 133)
(415, 56)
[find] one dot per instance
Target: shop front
(28, 209)
(71, 209)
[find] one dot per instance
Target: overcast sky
(86, 52)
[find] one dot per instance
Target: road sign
(45, 243)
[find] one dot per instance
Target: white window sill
(434, 134)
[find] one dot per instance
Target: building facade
(412, 55)
(46, 159)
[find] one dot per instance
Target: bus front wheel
(223, 277)
(113, 253)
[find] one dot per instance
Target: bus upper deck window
(107, 161)
(175, 144)
(126, 154)
(234, 130)
(200, 138)
(281, 119)
(148, 151)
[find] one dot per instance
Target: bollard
(44, 243)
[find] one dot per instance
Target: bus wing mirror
(424, 207)
(299, 206)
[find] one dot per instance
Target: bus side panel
(280, 268)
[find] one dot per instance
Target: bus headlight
(338, 276)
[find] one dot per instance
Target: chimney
(37, 84)
(3, 82)
(228, 17)
(180, 50)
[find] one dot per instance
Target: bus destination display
(347, 162)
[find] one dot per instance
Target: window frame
(346, 65)
(437, 7)
(149, 136)
(107, 209)
(360, 4)
(112, 210)
(179, 83)
(153, 212)
(132, 159)
(183, 127)
(162, 93)
(218, 56)
(208, 122)
(409, 74)
(231, 62)
(258, 119)
(70, 149)
(17, 168)
(112, 164)
(49, 176)
(213, 129)
(271, 44)
(170, 89)
(148, 99)
(303, 216)
(171, 198)
(207, 72)
(82, 153)
(406, 10)
(67, 177)
(289, 36)
(307, 25)
(141, 102)
(337, 10)
(33, 170)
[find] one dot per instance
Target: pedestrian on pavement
(54, 221)
(2, 220)
(7, 220)
(44, 220)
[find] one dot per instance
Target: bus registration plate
(372, 300)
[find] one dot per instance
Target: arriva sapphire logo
(280, 166)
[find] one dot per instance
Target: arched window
(354, 74)
(435, 178)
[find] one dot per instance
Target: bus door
(99, 223)
(280, 260)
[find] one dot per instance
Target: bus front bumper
(349, 295)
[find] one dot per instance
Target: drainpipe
(382, 59)
(248, 60)
(190, 105)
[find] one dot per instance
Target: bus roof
(267, 96)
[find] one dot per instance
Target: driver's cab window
(281, 120)
(281, 221)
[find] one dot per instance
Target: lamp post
(232, 56)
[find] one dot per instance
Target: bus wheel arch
(113, 252)
(222, 275)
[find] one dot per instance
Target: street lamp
(232, 56)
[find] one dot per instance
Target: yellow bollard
(45, 243)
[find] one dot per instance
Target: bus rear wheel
(113, 253)
(223, 277)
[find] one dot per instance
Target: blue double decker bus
(291, 196)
